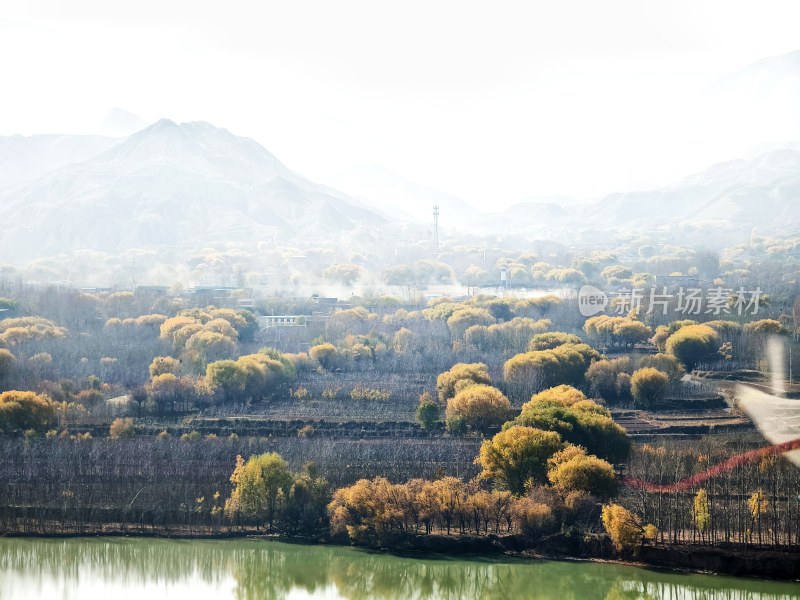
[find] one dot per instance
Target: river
(152, 569)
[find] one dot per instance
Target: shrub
(300, 393)
(192, 436)
(361, 392)
(535, 519)
(121, 428)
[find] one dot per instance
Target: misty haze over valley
(156, 196)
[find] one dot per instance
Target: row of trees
(373, 511)
(754, 502)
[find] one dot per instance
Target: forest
(498, 412)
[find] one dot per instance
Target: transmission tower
(435, 226)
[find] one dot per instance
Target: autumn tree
(25, 410)
(325, 354)
(458, 377)
(480, 405)
(602, 376)
(577, 420)
(649, 386)
(765, 327)
(616, 331)
(250, 377)
(758, 505)
(532, 371)
(208, 346)
(306, 505)
(560, 395)
(466, 317)
(7, 366)
(167, 390)
(552, 339)
(259, 486)
(399, 275)
(164, 364)
(666, 363)
(622, 527)
(428, 412)
(345, 273)
(693, 344)
(573, 470)
(517, 455)
(226, 377)
(535, 518)
(402, 340)
(701, 512)
(121, 428)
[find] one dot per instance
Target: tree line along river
(118, 568)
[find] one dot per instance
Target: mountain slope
(171, 185)
(761, 192)
(26, 157)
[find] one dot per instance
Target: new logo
(591, 300)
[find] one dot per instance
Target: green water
(117, 568)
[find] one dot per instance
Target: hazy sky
(491, 101)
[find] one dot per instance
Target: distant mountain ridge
(193, 184)
(762, 192)
(26, 157)
(171, 184)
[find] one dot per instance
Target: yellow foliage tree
(623, 528)
(517, 455)
(480, 405)
(701, 511)
(461, 374)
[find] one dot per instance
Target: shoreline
(497, 546)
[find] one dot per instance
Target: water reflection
(250, 569)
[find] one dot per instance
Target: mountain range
(741, 196)
(188, 185)
(171, 185)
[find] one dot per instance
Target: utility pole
(436, 227)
